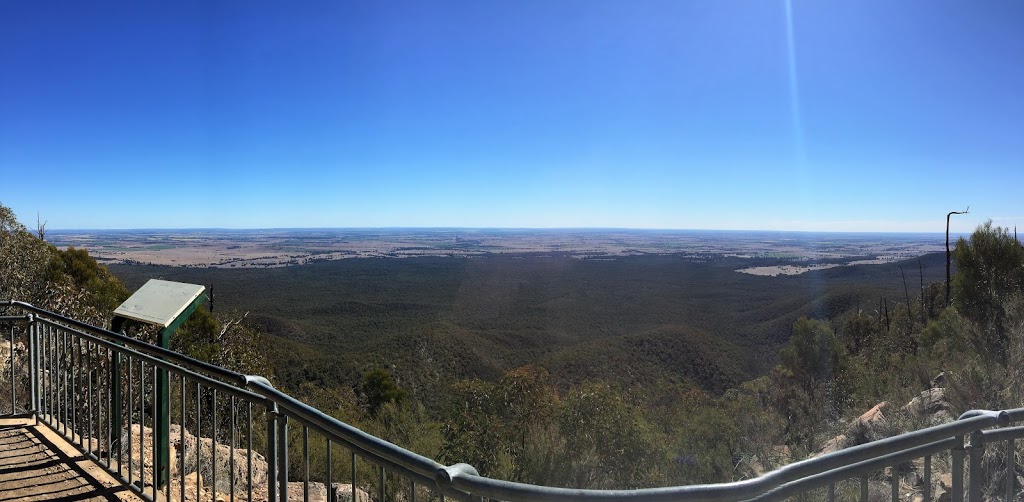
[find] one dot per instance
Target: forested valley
(633, 372)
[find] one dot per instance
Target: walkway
(37, 464)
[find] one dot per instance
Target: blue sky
(866, 115)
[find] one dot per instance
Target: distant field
(797, 251)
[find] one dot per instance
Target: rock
(193, 484)
(199, 480)
(223, 463)
(137, 454)
(755, 465)
(193, 481)
(835, 444)
(913, 478)
(868, 427)
(943, 485)
(343, 493)
(204, 459)
(931, 404)
(873, 415)
(6, 351)
(317, 492)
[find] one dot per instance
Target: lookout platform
(37, 464)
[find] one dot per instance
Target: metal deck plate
(159, 302)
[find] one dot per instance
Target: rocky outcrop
(834, 444)
(871, 426)
(764, 462)
(198, 463)
(343, 493)
(18, 352)
(318, 493)
(210, 457)
(199, 466)
(931, 405)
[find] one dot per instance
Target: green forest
(634, 372)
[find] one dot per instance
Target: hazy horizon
(497, 229)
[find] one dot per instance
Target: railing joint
(444, 476)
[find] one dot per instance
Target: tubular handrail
(371, 444)
(140, 345)
(873, 464)
(463, 480)
(158, 362)
(740, 490)
(1003, 434)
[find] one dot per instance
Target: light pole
(951, 213)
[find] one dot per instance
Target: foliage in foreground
(68, 281)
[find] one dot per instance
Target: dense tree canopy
(989, 271)
(69, 282)
(379, 388)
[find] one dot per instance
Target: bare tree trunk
(41, 228)
(906, 292)
(886, 302)
(920, 274)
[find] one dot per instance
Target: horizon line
(453, 228)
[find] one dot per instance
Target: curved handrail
(373, 445)
(750, 488)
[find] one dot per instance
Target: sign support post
(167, 305)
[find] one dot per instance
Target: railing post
(1011, 471)
(894, 483)
(958, 471)
(271, 452)
(282, 464)
(33, 367)
(14, 397)
(975, 453)
(117, 400)
(928, 478)
(161, 422)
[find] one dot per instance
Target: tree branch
(229, 324)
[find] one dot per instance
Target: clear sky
(860, 115)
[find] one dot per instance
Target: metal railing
(246, 440)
